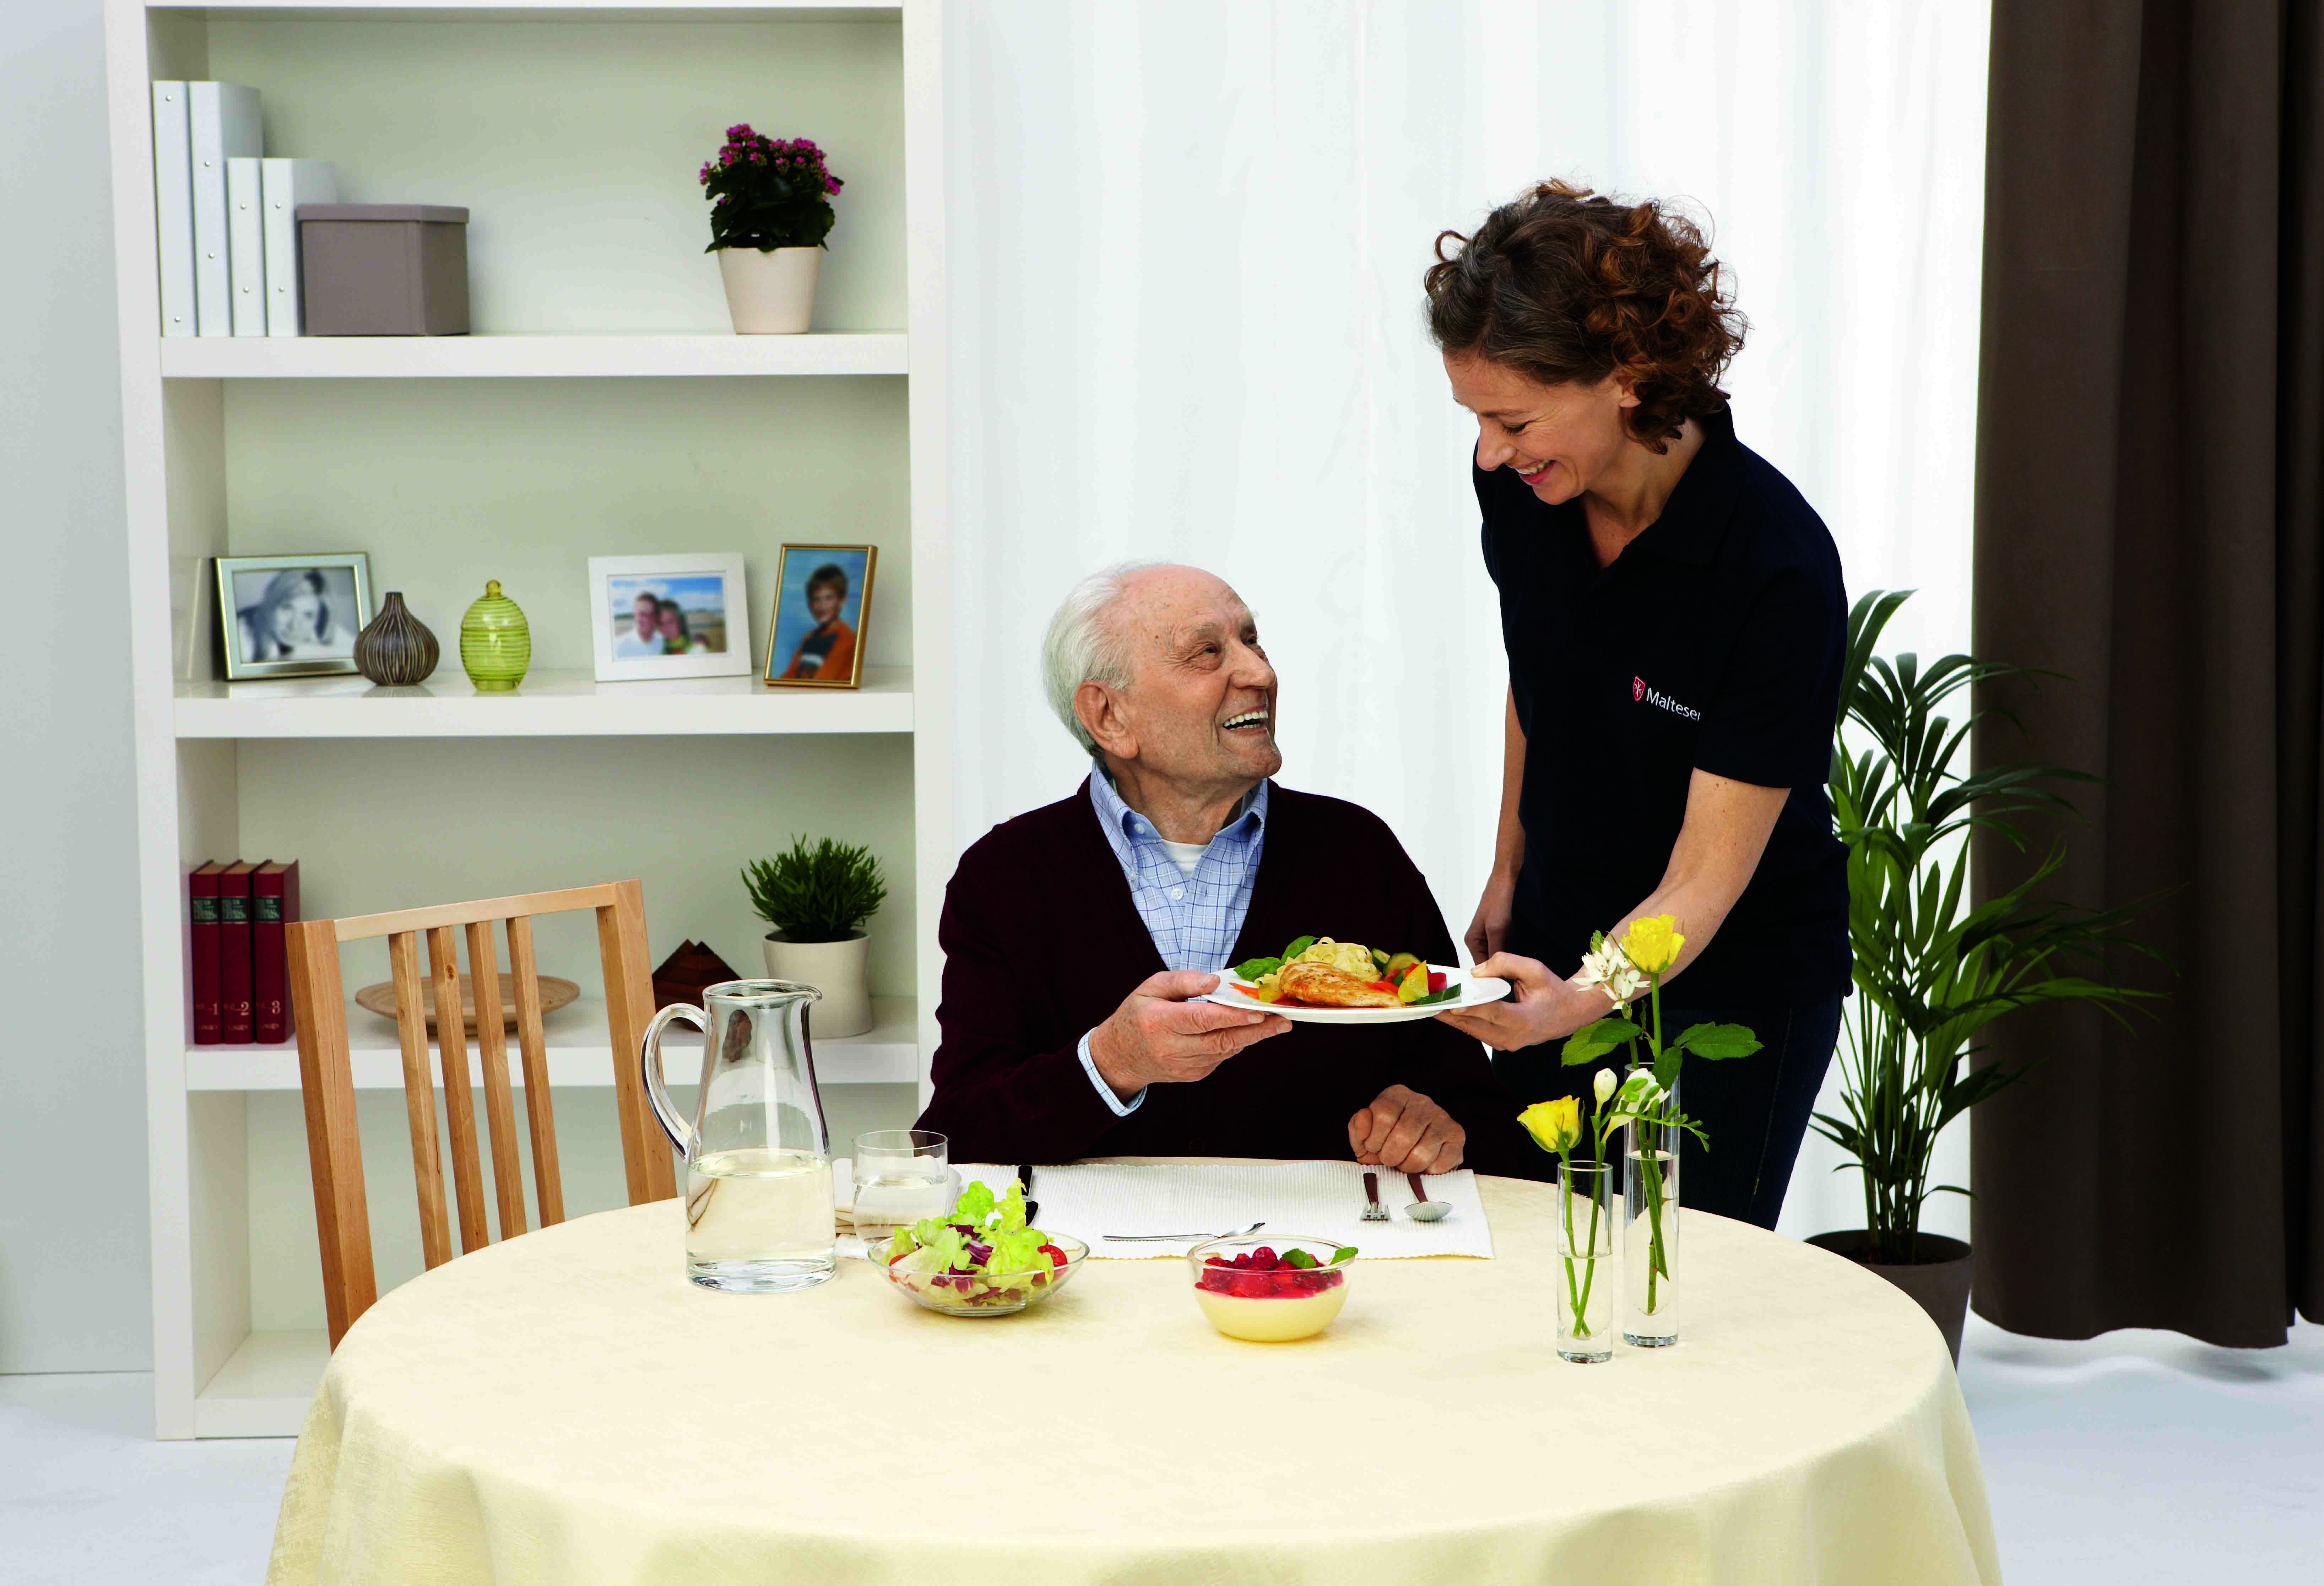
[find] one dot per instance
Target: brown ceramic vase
(396, 649)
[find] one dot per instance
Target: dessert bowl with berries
(981, 1258)
(1271, 1291)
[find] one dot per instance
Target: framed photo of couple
(823, 598)
(669, 616)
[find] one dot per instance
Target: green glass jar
(495, 643)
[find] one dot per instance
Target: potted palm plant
(1932, 968)
(818, 899)
(769, 211)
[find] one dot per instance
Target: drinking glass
(899, 1178)
(1586, 1280)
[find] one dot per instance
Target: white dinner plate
(1473, 993)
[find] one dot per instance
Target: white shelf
(541, 356)
(550, 704)
(265, 1388)
(889, 1053)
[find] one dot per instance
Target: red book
(234, 952)
(201, 894)
(273, 903)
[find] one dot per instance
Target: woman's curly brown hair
(1563, 285)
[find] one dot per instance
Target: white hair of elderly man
(1082, 647)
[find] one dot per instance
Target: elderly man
(1076, 936)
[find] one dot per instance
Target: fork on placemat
(1373, 1211)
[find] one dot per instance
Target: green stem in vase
(1574, 1295)
(1589, 1268)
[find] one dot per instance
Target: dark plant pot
(1937, 1283)
(396, 650)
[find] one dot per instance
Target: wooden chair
(334, 1154)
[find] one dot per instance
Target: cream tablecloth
(566, 1408)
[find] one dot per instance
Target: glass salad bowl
(1272, 1289)
(991, 1294)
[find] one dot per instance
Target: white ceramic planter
(839, 970)
(770, 293)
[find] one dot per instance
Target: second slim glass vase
(1586, 1280)
(1650, 1232)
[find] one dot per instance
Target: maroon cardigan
(1042, 942)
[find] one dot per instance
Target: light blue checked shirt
(1193, 920)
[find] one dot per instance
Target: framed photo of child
(823, 598)
(669, 616)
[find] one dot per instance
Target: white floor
(2137, 1457)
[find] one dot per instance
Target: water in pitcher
(759, 1220)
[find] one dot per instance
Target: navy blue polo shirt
(1714, 640)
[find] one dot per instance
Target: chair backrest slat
(492, 1059)
(335, 1149)
(419, 1099)
(548, 1180)
(628, 1009)
(459, 1096)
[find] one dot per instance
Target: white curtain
(1186, 240)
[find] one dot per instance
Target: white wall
(72, 1075)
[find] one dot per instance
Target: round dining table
(566, 1408)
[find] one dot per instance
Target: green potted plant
(1933, 969)
(818, 899)
(770, 212)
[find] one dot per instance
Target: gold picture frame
(803, 632)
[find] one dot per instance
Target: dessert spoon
(1423, 1209)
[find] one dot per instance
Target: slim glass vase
(1585, 1259)
(1650, 1232)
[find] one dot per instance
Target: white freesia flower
(1640, 1094)
(1606, 968)
(1604, 1084)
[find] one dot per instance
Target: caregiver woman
(1673, 617)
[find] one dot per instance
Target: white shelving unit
(554, 702)
(597, 312)
(535, 356)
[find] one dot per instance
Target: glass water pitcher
(758, 1159)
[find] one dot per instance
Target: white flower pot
(839, 970)
(770, 293)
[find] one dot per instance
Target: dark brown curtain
(2150, 523)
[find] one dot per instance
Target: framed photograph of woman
(293, 616)
(680, 615)
(823, 598)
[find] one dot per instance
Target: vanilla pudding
(1275, 1320)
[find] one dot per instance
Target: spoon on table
(1423, 1209)
(1183, 1237)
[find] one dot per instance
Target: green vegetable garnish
(1300, 1259)
(1449, 993)
(1251, 969)
(1343, 1253)
(1299, 945)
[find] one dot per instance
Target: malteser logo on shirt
(1656, 696)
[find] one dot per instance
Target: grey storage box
(384, 269)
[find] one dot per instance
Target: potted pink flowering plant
(769, 211)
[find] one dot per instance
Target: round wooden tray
(555, 994)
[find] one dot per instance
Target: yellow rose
(1556, 1126)
(1652, 943)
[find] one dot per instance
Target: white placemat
(1312, 1200)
